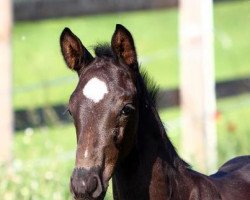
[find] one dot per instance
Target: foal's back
(233, 179)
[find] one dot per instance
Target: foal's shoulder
(236, 165)
(233, 178)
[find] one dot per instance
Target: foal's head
(104, 107)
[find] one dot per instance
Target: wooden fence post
(6, 119)
(197, 83)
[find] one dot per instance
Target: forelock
(103, 50)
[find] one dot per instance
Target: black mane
(151, 87)
(149, 90)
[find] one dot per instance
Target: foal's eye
(67, 111)
(127, 109)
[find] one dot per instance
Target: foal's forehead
(103, 78)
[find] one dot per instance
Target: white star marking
(95, 89)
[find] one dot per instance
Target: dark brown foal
(120, 134)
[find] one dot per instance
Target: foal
(120, 135)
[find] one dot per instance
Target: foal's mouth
(81, 197)
(87, 185)
(88, 197)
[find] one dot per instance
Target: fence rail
(166, 98)
(170, 98)
(40, 9)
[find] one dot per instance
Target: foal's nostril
(77, 187)
(98, 189)
(92, 184)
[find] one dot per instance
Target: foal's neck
(152, 168)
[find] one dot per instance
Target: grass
(44, 158)
(231, 44)
(39, 71)
(233, 129)
(45, 62)
(43, 162)
(37, 167)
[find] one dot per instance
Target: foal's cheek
(111, 157)
(129, 134)
(119, 136)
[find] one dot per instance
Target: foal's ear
(123, 46)
(75, 54)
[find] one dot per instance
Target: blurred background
(43, 144)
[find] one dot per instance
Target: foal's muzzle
(86, 184)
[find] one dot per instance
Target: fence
(166, 98)
(40, 9)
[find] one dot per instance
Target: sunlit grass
(42, 164)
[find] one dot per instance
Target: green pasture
(43, 158)
(41, 75)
